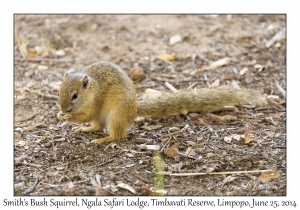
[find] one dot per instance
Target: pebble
(175, 39)
(42, 67)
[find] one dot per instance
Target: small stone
(175, 39)
(137, 74)
(60, 53)
(42, 67)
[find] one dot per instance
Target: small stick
(219, 173)
(275, 38)
(270, 101)
(192, 85)
(270, 120)
(188, 156)
(163, 59)
(30, 189)
(178, 132)
(171, 87)
(50, 96)
(280, 89)
(45, 59)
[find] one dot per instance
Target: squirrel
(104, 96)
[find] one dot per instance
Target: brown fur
(107, 99)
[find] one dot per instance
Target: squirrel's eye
(75, 95)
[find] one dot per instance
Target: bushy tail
(183, 102)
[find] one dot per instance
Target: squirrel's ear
(66, 74)
(85, 82)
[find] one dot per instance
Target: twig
(50, 96)
(30, 189)
(270, 101)
(280, 89)
(45, 59)
(192, 85)
(102, 164)
(275, 38)
(171, 87)
(178, 132)
(219, 173)
(163, 59)
(188, 156)
(270, 120)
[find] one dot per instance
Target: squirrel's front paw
(64, 116)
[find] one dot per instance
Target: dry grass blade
(30, 189)
(220, 173)
(275, 38)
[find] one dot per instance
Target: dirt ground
(53, 160)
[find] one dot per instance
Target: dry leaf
(210, 168)
(191, 143)
(228, 179)
(278, 115)
(249, 164)
(126, 187)
(166, 56)
(266, 176)
(171, 143)
(248, 131)
(201, 119)
(227, 139)
(249, 138)
(154, 193)
(190, 151)
(172, 152)
(32, 52)
(69, 185)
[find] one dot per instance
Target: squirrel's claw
(77, 129)
(62, 116)
(84, 129)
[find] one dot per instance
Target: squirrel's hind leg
(117, 128)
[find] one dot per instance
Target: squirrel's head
(73, 93)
